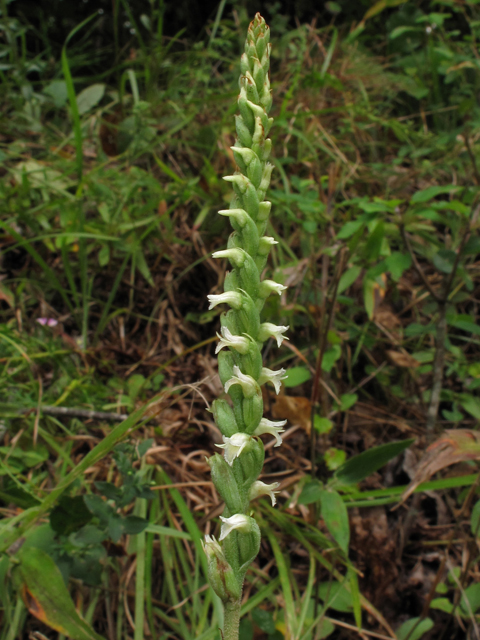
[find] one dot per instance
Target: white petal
(267, 330)
(273, 428)
(259, 488)
(275, 377)
(237, 521)
(234, 446)
(233, 298)
(248, 384)
(227, 339)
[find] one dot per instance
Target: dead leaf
(295, 409)
(402, 359)
(459, 445)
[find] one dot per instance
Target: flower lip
(259, 488)
(234, 445)
(233, 298)
(228, 339)
(238, 521)
(249, 385)
(275, 377)
(272, 428)
(269, 330)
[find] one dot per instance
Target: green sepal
(248, 546)
(251, 462)
(248, 317)
(225, 366)
(258, 72)
(246, 111)
(225, 483)
(261, 45)
(231, 282)
(243, 133)
(229, 319)
(224, 417)
(250, 90)
(252, 412)
(252, 362)
(249, 276)
(265, 182)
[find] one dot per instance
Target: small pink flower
(47, 322)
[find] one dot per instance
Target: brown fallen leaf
(402, 359)
(295, 409)
(459, 445)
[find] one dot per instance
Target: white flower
(269, 330)
(233, 298)
(236, 256)
(275, 377)
(259, 488)
(234, 446)
(248, 384)
(270, 286)
(227, 339)
(240, 180)
(237, 521)
(268, 240)
(240, 215)
(273, 428)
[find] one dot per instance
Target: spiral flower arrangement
(235, 473)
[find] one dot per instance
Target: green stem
(231, 620)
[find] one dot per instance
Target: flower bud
(236, 256)
(243, 132)
(252, 412)
(220, 574)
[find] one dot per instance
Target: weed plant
(110, 186)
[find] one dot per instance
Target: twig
(86, 414)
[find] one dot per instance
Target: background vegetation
(117, 121)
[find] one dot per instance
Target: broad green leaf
(297, 376)
(264, 620)
(348, 278)
(444, 260)
(374, 242)
(334, 458)
(465, 323)
(335, 595)
(349, 228)
(397, 263)
(57, 90)
(90, 97)
(366, 463)
(335, 515)
(311, 492)
(330, 357)
(475, 520)
(47, 597)
(369, 287)
(443, 604)
(471, 404)
(431, 192)
(470, 600)
(414, 629)
(322, 425)
(347, 401)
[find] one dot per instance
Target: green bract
(242, 334)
